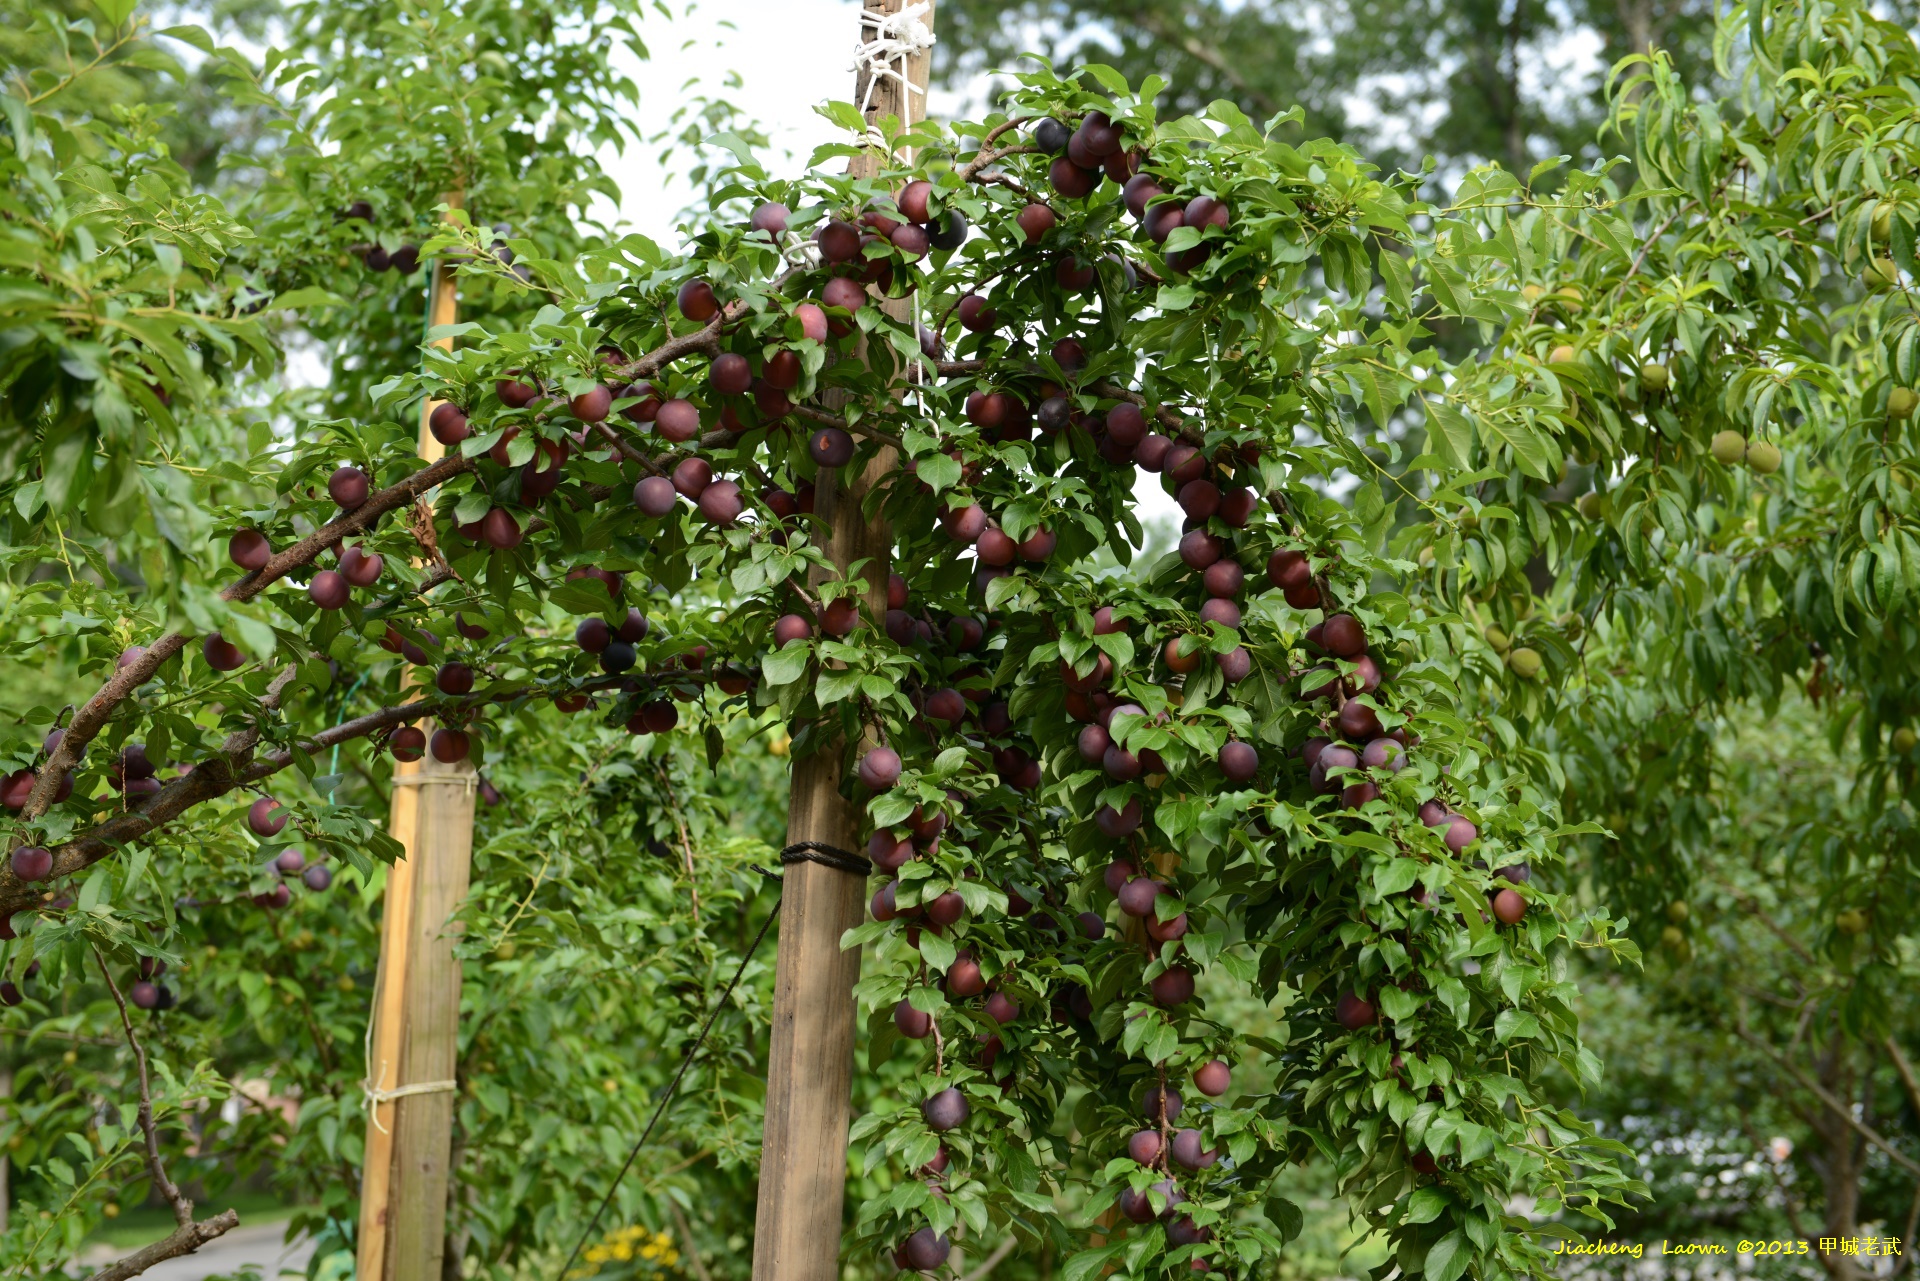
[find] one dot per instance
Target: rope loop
(896, 38)
(827, 856)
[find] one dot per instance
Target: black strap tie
(827, 856)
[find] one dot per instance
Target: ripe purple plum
(249, 549)
(1190, 1149)
(946, 1110)
(348, 487)
(914, 1024)
(697, 301)
(1239, 761)
(1159, 1103)
(1213, 1078)
(654, 496)
(266, 817)
(1354, 1013)
(32, 863)
(1173, 986)
(879, 768)
(449, 745)
(830, 447)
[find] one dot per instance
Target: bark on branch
(93, 716)
(187, 1235)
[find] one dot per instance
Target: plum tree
(1314, 771)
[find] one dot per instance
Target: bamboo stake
(413, 1041)
(803, 1155)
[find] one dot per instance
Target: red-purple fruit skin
(249, 549)
(946, 1110)
(915, 1024)
(1144, 1146)
(926, 1250)
(266, 817)
(1174, 986)
(1137, 896)
(1190, 1150)
(1213, 1078)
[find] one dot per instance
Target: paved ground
(261, 1244)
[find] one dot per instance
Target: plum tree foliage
(1318, 754)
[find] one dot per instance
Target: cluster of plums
(266, 819)
(1096, 148)
(135, 778)
(147, 992)
(132, 774)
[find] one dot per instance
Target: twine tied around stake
(896, 38)
(376, 1097)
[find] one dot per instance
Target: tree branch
(992, 1261)
(1833, 1105)
(187, 1235)
(93, 716)
(221, 774)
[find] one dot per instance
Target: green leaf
(786, 664)
(938, 471)
(1515, 1025)
(1448, 1258)
(1450, 433)
(1425, 1205)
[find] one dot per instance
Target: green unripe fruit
(1426, 555)
(1728, 447)
(1673, 937)
(1469, 520)
(1678, 911)
(1497, 638)
(1526, 663)
(1901, 402)
(1883, 223)
(1593, 506)
(1562, 355)
(1882, 273)
(1572, 623)
(1763, 457)
(1851, 921)
(1904, 739)
(1531, 293)
(1654, 377)
(1570, 297)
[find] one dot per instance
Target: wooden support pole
(803, 1151)
(416, 1017)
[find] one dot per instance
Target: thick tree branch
(93, 716)
(1833, 1105)
(187, 1236)
(221, 774)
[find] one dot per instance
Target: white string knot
(376, 1097)
(896, 38)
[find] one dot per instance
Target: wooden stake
(803, 1151)
(414, 1040)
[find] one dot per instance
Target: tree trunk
(1838, 1160)
(413, 1044)
(803, 1155)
